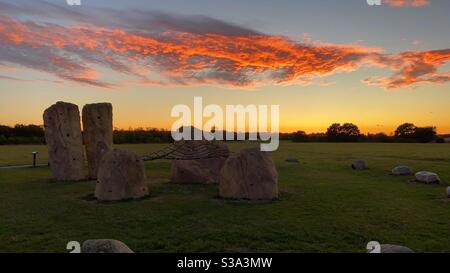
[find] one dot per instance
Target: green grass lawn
(324, 205)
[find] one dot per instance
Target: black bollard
(34, 158)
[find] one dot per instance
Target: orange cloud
(414, 67)
(176, 57)
(406, 3)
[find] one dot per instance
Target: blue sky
(326, 20)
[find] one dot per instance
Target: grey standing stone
(97, 133)
(64, 141)
(105, 246)
(249, 174)
(121, 176)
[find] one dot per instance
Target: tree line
(21, 134)
(347, 132)
(34, 134)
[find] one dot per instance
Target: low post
(34, 158)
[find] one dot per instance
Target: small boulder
(402, 170)
(105, 246)
(249, 174)
(427, 177)
(359, 165)
(292, 160)
(395, 249)
(121, 176)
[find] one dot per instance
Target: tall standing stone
(64, 141)
(98, 134)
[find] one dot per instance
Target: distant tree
(21, 134)
(141, 135)
(333, 132)
(379, 137)
(6, 131)
(3, 140)
(350, 132)
(347, 132)
(300, 136)
(425, 134)
(411, 132)
(318, 137)
(406, 130)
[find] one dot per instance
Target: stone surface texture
(121, 176)
(64, 141)
(97, 134)
(249, 174)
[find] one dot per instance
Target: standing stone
(203, 171)
(448, 192)
(97, 133)
(121, 175)
(64, 141)
(249, 174)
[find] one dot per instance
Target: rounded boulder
(105, 246)
(121, 176)
(359, 165)
(249, 174)
(402, 170)
(427, 177)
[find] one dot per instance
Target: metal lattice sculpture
(190, 150)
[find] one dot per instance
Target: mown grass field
(324, 205)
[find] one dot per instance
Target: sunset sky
(322, 61)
